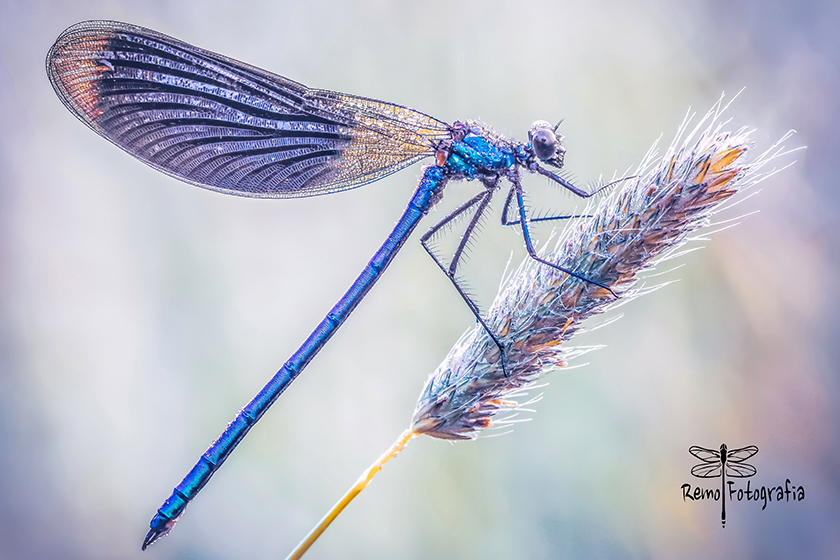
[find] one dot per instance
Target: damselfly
(227, 126)
(721, 464)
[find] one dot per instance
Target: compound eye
(545, 143)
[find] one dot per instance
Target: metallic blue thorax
(477, 154)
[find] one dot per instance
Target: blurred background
(138, 314)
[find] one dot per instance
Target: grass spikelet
(540, 308)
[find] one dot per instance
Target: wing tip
(74, 69)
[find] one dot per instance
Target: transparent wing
(227, 126)
(706, 470)
(739, 470)
(705, 455)
(741, 454)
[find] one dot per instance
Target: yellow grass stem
(360, 485)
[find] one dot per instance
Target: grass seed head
(540, 308)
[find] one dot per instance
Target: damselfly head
(547, 143)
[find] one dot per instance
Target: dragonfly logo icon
(723, 463)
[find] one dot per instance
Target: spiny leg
(526, 234)
(482, 200)
(567, 185)
(507, 221)
(477, 199)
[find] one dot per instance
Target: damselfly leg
(507, 220)
(516, 189)
(479, 203)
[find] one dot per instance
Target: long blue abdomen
(427, 192)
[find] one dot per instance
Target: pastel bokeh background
(137, 314)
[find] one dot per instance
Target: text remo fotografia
(764, 494)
